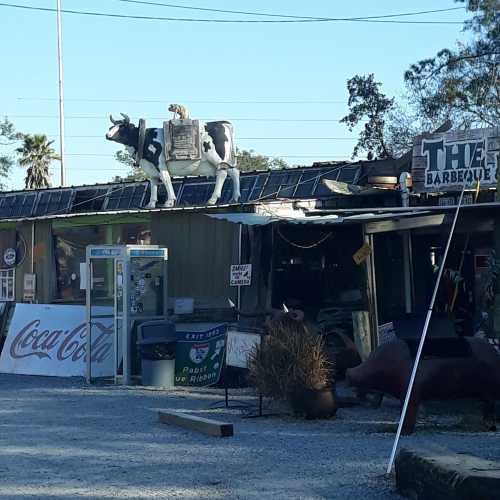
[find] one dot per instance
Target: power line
(224, 21)
(312, 155)
(105, 117)
(265, 14)
(187, 101)
(239, 138)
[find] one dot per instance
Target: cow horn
(125, 117)
(112, 120)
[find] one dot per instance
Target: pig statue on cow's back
(459, 368)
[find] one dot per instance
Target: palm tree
(36, 153)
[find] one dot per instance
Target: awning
(300, 217)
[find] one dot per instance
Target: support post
(408, 272)
(371, 288)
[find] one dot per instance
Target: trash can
(156, 341)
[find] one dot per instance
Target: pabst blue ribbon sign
(444, 162)
(51, 340)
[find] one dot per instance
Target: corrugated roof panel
(349, 174)
(288, 184)
(246, 185)
(53, 202)
(306, 184)
(196, 193)
(260, 182)
(128, 196)
(88, 200)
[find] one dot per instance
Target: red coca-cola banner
(52, 340)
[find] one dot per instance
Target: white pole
(61, 91)
(428, 318)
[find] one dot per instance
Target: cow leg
(167, 180)
(220, 177)
(234, 174)
(153, 199)
(152, 174)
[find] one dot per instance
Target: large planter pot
(313, 403)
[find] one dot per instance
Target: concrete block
(442, 475)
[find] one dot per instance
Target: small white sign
(239, 347)
(29, 282)
(241, 275)
(184, 305)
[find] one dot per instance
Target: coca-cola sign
(52, 340)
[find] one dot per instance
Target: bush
(291, 357)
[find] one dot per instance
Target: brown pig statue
(458, 368)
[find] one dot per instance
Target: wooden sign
(443, 162)
(239, 348)
(362, 254)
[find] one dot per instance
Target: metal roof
(300, 217)
(292, 184)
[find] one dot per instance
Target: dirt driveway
(61, 439)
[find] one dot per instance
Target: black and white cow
(216, 147)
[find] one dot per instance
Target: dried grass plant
(290, 357)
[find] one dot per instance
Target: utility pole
(61, 91)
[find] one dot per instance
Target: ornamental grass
(290, 357)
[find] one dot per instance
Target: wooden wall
(201, 251)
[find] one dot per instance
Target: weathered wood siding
(201, 251)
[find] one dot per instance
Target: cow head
(121, 130)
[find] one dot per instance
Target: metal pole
(428, 319)
(61, 91)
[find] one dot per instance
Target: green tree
(36, 153)
(367, 102)
(250, 160)
(135, 172)
(463, 83)
(247, 160)
(8, 137)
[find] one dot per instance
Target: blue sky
(110, 65)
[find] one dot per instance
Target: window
(7, 284)
(69, 250)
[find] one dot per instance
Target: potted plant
(291, 365)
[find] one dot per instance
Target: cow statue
(182, 147)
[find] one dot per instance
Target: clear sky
(113, 65)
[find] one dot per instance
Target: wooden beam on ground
(198, 424)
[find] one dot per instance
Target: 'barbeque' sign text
(445, 162)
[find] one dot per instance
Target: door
(101, 319)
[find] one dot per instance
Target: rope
(304, 247)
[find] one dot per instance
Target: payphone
(125, 284)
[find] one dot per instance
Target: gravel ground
(62, 439)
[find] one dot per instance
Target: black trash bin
(156, 341)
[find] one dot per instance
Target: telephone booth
(126, 285)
